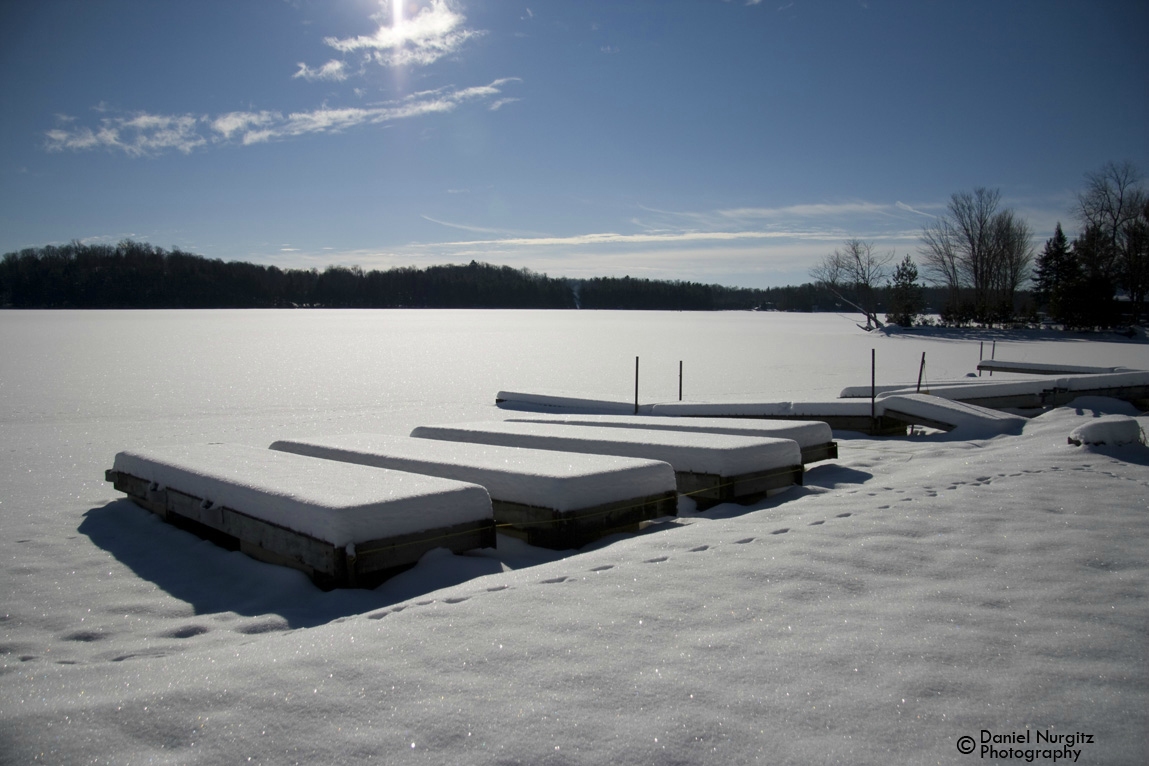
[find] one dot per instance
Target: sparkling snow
(915, 591)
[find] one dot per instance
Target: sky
(730, 142)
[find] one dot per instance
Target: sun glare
(396, 14)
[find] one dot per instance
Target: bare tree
(1114, 202)
(975, 247)
(940, 261)
(1135, 272)
(972, 218)
(857, 269)
(1012, 259)
(1113, 197)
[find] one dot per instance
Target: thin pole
(920, 371)
(992, 356)
(680, 380)
(980, 356)
(636, 385)
(873, 388)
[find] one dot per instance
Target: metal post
(980, 356)
(920, 371)
(873, 389)
(992, 356)
(636, 385)
(680, 380)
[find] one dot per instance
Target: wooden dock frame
(364, 565)
(817, 452)
(860, 423)
(549, 528)
(710, 489)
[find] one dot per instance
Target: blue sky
(732, 142)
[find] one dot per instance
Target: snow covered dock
(1036, 394)
(814, 438)
(551, 499)
(344, 525)
(561, 402)
(947, 415)
(711, 468)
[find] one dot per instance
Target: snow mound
(1112, 430)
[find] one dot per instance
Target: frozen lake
(121, 631)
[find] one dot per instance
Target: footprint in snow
(744, 541)
(656, 560)
(187, 631)
(267, 626)
(603, 568)
(554, 580)
(700, 548)
(844, 515)
(86, 636)
(781, 531)
(496, 588)
(816, 523)
(456, 599)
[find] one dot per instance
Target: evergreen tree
(1059, 281)
(1090, 296)
(905, 294)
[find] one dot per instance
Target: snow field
(907, 595)
(914, 591)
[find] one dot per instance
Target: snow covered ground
(913, 592)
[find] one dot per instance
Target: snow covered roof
(721, 454)
(337, 502)
(564, 481)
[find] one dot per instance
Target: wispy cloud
(137, 135)
(434, 31)
(143, 135)
(473, 229)
(332, 70)
(908, 209)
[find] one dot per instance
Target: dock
(343, 525)
(710, 468)
(814, 438)
(557, 500)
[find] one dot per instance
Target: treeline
(139, 275)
